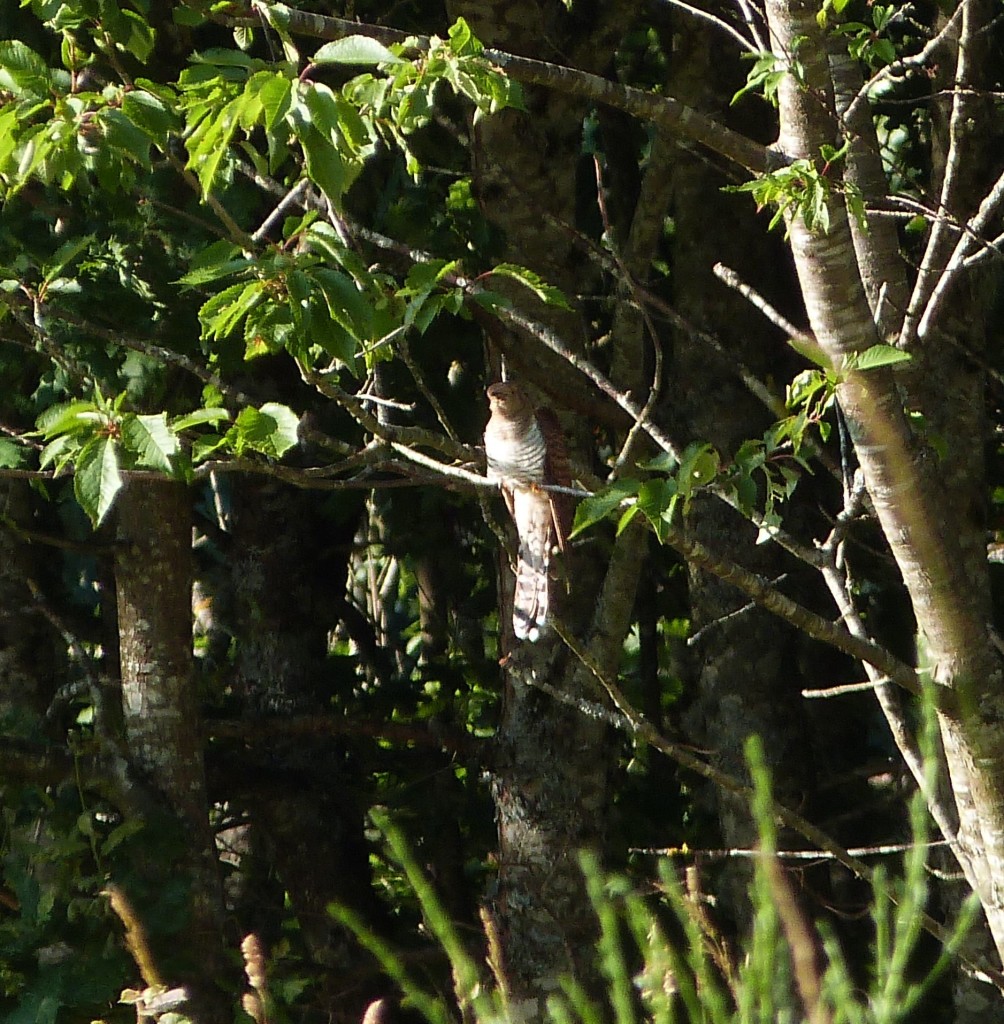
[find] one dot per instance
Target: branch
(629, 720)
(808, 622)
(971, 238)
(934, 252)
(662, 110)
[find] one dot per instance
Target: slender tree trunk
(950, 604)
(153, 575)
(302, 792)
(552, 771)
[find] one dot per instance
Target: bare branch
(931, 264)
(963, 248)
(882, 850)
(748, 45)
(629, 720)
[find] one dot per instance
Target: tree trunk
(950, 603)
(153, 575)
(551, 777)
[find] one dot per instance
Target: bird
(525, 451)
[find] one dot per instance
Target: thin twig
(932, 260)
(746, 853)
(957, 262)
(748, 45)
(845, 688)
(627, 719)
(292, 196)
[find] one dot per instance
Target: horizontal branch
(663, 110)
(744, 853)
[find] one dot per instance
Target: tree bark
(153, 575)
(950, 605)
(551, 776)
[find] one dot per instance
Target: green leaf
(275, 94)
(224, 311)
(347, 306)
(215, 261)
(97, 479)
(656, 499)
(22, 71)
(879, 355)
(66, 254)
(463, 42)
(67, 417)
(271, 430)
(58, 452)
(324, 163)
(355, 50)
(152, 440)
(120, 133)
(199, 418)
(138, 38)
(12, 454)
(664, 462)
(545, 292)
(591, 510)
(698, 467)
(150, 114)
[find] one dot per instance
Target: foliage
(803, 188)
(665, 960)
(762, 474)
(251, 259)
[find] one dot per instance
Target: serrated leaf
(275, 94)
(203, 447)
(880, 355)
(139, 38)
(12, 454)
(97, 480)
(22, 71)
(57, 453)
(664, 462)
(151, 439)
(271, 430)
(215, 261)
(67, 417)
(698, 467)
(598, 506)
(355, 50)
(121, 134)
(463, 42)
(324, 163)
(150, 114)
(64, 256)
(545, 292)
(346, 304)
(656, 499)
(222, 57)
(199, 418)
(224, 311)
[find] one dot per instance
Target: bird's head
(508, 399)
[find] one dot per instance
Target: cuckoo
(526, 452)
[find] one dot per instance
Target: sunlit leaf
(592, 509)
(271, 430)
(545, 292)
(355, 50)
(97, 479)
(880, 355)
(152, 440)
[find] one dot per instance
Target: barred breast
(516, 456)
